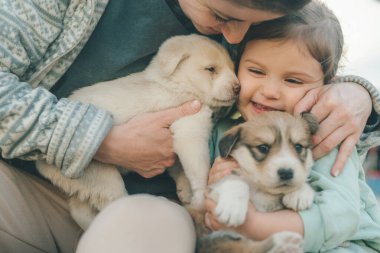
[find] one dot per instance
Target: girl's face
(275, 75)
(224, 16)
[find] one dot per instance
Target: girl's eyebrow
(225, 16)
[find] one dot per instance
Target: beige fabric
(34, 217)
(140, 224)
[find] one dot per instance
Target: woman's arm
(33, 123)
(258, 225)
(342, 109)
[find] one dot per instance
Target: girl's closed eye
(293, 80)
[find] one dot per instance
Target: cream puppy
(273, 151)
(185, 68)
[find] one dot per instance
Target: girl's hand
(221, 168)
(342, 111)
(212, 222)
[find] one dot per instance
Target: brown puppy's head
(201, 67)
(273, 150)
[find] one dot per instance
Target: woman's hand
(144, 144)
(342, 111)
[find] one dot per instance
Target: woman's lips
(259, 108)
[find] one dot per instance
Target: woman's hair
(277, 6)
(315, 26)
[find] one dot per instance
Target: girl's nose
(270, 89)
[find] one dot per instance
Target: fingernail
(196, 104)
(336, 173)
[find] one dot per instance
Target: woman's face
(275, 75)
(224, 16)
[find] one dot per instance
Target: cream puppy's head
(273, 150)
(198, 67)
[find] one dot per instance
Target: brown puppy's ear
(228, 142)
(171, 54)
(311, 121)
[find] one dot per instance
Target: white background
(360, 21)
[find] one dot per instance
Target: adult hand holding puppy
(144, 144)
(340, 120)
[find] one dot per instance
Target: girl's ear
(311, 122)
(228, 142)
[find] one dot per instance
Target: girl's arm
(259, 225)
(333, 218)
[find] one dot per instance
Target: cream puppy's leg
(100, 185)
(232, 197)
(300, 199)
(82, 212)
(190, 142)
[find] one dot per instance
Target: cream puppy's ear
(229, 140)
(171, 54)
(311, 122)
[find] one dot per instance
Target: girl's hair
(315, 26)
(280, 6)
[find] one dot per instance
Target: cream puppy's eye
(263, 148)
(211, 69)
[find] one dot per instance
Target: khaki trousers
(34, 218)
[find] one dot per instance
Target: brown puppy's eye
(263, 148)
(211, 69)
(298, 148)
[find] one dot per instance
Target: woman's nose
(234, 31)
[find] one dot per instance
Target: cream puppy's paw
(287, 242)
(300, 199)
(232, 201)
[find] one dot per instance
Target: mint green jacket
(345, 216)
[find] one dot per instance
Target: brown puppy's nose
(236, 88)
(285, 174)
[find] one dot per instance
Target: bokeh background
(360, 20)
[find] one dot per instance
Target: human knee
(143, 223)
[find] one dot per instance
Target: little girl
(281, 61)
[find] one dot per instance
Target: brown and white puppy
(273, 151)
(185, 68)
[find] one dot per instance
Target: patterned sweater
(39, 40)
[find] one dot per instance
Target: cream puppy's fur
(185, 68)
(273, 151)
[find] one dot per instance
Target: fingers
(167, 117)
(344, 153)
(150, 173)
(210, 219)
(221, 168)
(331, 132)
(307, 102)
